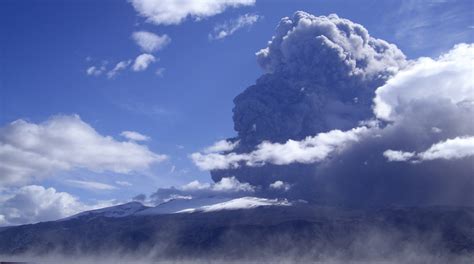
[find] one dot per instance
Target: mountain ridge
(306, 231)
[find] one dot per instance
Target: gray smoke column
(321, 74)
(342, 118)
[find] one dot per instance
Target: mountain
(264, 231)
(113, 211)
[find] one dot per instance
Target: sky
(106, 100)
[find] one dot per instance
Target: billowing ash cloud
(322, 74)
(337, 107)
(310, 45)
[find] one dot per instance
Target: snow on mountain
(239, 203)
(206, 204)
(177, 205)
(113, 211)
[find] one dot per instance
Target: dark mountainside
(287, 233)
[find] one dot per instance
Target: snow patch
(239, 203)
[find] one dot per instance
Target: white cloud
(123, 183)
(122, 65)
(228, 28)
(167, 12)
(280, 185)
(150, 42)
(95, 70)
(456, 148)
(160, 72)
(32, 151)
(227, 184)
(33, 203)
(227, 187)
(134, 136)
(309, 150)
(195, 185)
(221, 146)
(143, 61)
(91, 185)
(217, 161)
(397, 155)
(447, 78)
(231, 184)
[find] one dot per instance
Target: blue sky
(47, 47)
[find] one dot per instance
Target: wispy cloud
(416, 23)
(120, 66)
(228, 28)
(134, 136)
(95, 70)
(123, 183)
(91, 185)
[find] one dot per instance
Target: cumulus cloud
(32, 151)
(120, 66)
(168, 12)
(280, 185)
(226, 187)
(397, 155)
(229, 184)
(195, 185)
(134, 136)
(228, 28)
(451, 73)
(142, 62)
(309, 150)
(91, 185)
(150, 42)
(456, 148)
(221, 146)
(33, 203)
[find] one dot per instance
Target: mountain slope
(296, 233)
(121, 210)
